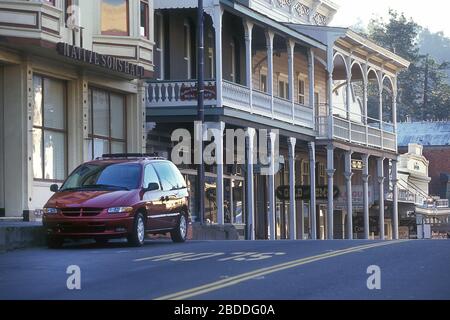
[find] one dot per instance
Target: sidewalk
(16, 234)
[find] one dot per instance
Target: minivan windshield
(117, 176)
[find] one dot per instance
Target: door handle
(167, 198)
(162, 199)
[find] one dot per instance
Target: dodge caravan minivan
(119, 196)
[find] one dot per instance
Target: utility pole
(201, 109)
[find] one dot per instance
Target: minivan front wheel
(137, 237)
(179, 234)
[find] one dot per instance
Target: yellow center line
(186, 294)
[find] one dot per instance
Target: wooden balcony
(374, 134)
(172, 94)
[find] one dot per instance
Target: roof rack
(146, 156)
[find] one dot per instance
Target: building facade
(71, 88)
(329, 92)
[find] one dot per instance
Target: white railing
(282, 109)
(303, 115)
(178, 93)
(262, 103)
(403, 196)
(357, 132)
(236, 96)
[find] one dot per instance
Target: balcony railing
(403, 196)
(354, 131)
(236, 96)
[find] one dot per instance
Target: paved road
(231, 270)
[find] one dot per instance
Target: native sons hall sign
(105, 61)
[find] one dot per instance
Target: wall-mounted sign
(189, 93)
(304, 193)
(101, 60)
(357, 164)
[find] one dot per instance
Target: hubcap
(183, 226)
(140, 230)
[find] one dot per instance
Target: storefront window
(144, 19)
(49, 129)
(114, 17)
(107, 130)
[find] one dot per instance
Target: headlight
(50, 211)
(119, 210)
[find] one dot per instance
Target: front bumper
(88, 227)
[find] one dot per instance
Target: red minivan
(119, 196)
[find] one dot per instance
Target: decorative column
(290, 51)
(248, 28)
(311, 79)
(251, 157)
(292, 184)
(349, 88)
(330, 172)
(395, 199)
(348, 179)
(217, 22)
(269, 43)
(380, 86)
(313, 206)
(365, 101)
(380, 165)
(365, 178)
(271, 217)
(330, 68)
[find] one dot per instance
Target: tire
(54, 242)
(137, 238)
(179, 234)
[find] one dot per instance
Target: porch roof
(244, 11)
(353, 41)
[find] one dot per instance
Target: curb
(19, 237)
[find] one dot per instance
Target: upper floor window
(283, 89)
(263, 83)
(145, 29)
(301, 92)
(115, 18)
(187, 48)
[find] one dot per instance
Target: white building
(71, 89)
(277, 64)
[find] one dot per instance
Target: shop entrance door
(261, 207)
(2, 152)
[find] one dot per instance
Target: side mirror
(152, 186)
(54, 188)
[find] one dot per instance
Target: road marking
(191, 256)
(165, 256)
(186, 294)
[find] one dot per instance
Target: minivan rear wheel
(136, 239)
(179, 234)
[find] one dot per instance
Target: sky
(433, 15)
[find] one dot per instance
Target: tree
(423, 92)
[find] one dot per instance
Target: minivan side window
(150, 176)
(171, 178)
